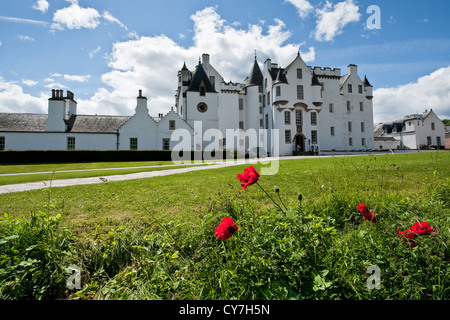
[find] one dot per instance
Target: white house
(286, 111)
(416, 131)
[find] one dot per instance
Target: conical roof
(256, 77)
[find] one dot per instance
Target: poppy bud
(277, 190)
(300, 197)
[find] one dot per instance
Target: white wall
(58, 141)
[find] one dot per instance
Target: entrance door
(299, 143)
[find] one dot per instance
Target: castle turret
(368, 89)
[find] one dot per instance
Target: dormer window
(202, 89)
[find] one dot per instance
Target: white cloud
(333, 19)
(108, 16)
(29, 83)
(94, 52)
(76, 78)
(41, 5)
(304, 7)
(1, 43)
(24, 38)
(75, 17)
(428, 92)
(22, 20)
(151, 63)
(13, 99)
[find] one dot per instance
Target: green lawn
(13, 174)
(154, 238)
(180, 196)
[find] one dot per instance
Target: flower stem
(270, 197)
(282, 202)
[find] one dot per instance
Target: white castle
(284, 111)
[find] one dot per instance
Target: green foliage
(318, 246)
(35, 254)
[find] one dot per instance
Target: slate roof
(96, 124)
(256, 77)
(22, 122)
(200, 76)
(278, 75)
(28, 122)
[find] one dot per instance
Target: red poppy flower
(226, 229)
(249, 177)
(367, 214)
(408, 235)
(422, 228)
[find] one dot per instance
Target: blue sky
(105, 50)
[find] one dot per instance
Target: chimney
(353, 69)
(205, 58)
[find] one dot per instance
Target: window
(241, 125)
(260, 110)
(350, 141)
(361, 106)
(348, 105)
(349, 127)
(202, 89)
(331, 108)
(241, 104)
(166, 144)
(70, 143)
(268, 98)
(300, 93)
(313, 119)
(350, 88)
(2, 143)
(298, 117)
(287, 117)
(363, 142)
(133, 143)
(429, 142)
(360, 89)
(287, 136)
(438, 142)
(314, 137)
(267, 121)
(260, 98)
(299, 73)
(332, 131)
(264, 100)
(265, 82)
(433, 126)
(278, 88)
(171, 124)
(363, 127)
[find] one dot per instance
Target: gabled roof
(256, 77)
(29, 122)
(22, 122)
(96, 124)
(198, 78)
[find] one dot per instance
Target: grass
(14, 174)
(154, 238)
